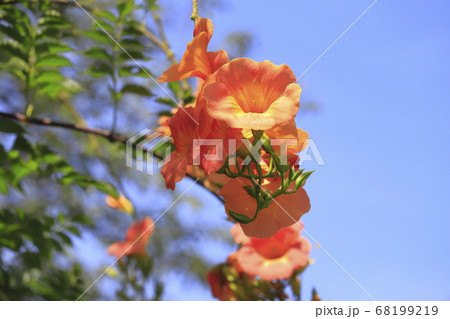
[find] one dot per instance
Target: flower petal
(249, 94)
(174, 169)
(288, 208)
(195, 61)
(204, 25)
(238, 235)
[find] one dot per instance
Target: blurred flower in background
(122, 203)
(136, 239)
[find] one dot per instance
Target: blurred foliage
(116, 51)
(32, 38)
(238, 43)
(134, 273)
(56, 62)
(25, 159)
(29, 249)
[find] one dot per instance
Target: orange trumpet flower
(253, 95)
(276, 257)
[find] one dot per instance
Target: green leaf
(125, 8)
(250, 190)
(100, 36)
(66, 239)
(105, 27)
(53, 61)
(17, 67)
(165, 113)
(14, 49)
(3, 174)
(301, 180)
(130, 44)
(167, 101)
(152, 4)
(296, 286)
(51, 33)
(188, 100)
(79, 218)
(63, 167)
(161, 149)
(106, 15)
(240, 218)
(49, 76)
(19, 74)
(53, 22)
(106, 188)
(18, 20)
(85, 181)
(9, 126)
(175, 87)
(3, 154)
(11, 33)
(135, 55)
(46, 154)
(98, 53)
(19, 172)
(49, 12)
(52, 47)
(131, 30)
(99, 69)
(136, 89)
(32, 259)
(3, 184)
(56, 245)
(72, 177)
(132, 70)
(52, 89)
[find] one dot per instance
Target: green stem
(194, 15)
(115, 79)
(115, 108)
(29, 77)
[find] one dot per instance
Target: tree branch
(112, 137)
(160, 44)
(49, 122)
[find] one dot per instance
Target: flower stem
(194, 15)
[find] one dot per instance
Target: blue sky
(380, 205)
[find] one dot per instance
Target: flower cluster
(262, 267)
(240, 125)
